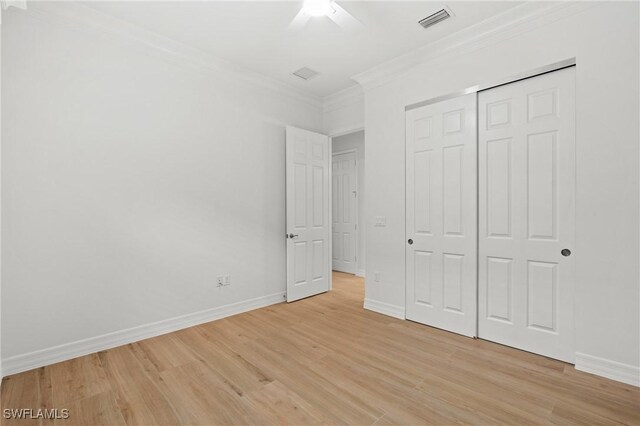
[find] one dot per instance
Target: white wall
(356, 141)
(604, 41)
(343, 112)
(130, 180)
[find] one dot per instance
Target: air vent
(439, 16)
(305, 73)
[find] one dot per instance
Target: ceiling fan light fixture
(318, 7)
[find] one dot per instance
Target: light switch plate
(380, 221)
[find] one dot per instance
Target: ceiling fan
(325, 8)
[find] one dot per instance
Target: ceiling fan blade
(299, 21)
(344, 19)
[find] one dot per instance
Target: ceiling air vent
(305, 73)
(433, 19)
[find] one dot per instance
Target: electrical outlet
(220, 280)
(376, 276)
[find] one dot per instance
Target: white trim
(4, 3)
(77, 16)
(508, 24)
(347, 130)
(384, 308)
(29, 361)
(330, 260)
(361, 273)
(20, 4)
(614, 370)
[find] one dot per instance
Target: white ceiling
(255, 35)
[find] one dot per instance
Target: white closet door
(441, 232)
(527, 212)
(345, 217)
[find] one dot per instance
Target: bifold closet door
(526, 214)
(441, 226)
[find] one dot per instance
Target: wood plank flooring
(322, 360)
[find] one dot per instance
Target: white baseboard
(384, 308)
(614, 370)
(40, 358)
(360, 273)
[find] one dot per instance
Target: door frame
(334, 134)
(357, 212)
(556, 66)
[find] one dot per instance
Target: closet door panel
(441, 227)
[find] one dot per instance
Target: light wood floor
(317, 361)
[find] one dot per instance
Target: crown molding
(20, 4)
(508, 24)
(6, 4)
(82, 17)
(343, 98)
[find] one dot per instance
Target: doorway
(324, 196)
(347, 199)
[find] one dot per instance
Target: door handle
(565, 252)
(292, 235)
(410, 241)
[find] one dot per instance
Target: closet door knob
(565, 252)
(410, 241)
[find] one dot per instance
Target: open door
(308, 224)
(344, 215)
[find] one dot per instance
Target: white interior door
(307, 182)
(527, 212)
(441, 184)
(344, 216)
